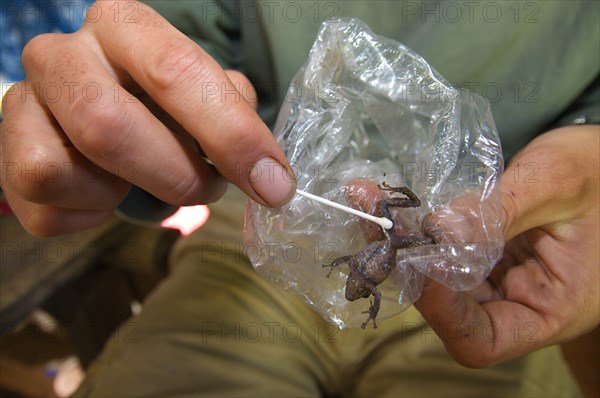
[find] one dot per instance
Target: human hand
(123, 101)
(545, 290)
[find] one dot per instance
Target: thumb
(479, 334)
(544, 184)
(460, 322)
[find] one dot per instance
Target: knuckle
(35, 51)
(197, 187)
(67, 67)
(243, 85)
(33, 174)
(243, 140)
(53, 60)
(99, 128)
(41, 221)
(508, 210)
(216, 190)
(187, 192)
(174, 65)
(39, 224)
(240, 142)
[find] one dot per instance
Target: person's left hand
(545, 290)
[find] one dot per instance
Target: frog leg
(403, 190)
(373, 309)
(410, 200)
(337, 262)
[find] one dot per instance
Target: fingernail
(272, 181)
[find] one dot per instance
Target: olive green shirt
(536, 62)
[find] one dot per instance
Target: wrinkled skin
(151, 127)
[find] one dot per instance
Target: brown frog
(373, 264)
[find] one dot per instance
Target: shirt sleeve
(585, 109)
(212, 24)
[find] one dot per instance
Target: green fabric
(215, 327)
(531, 60)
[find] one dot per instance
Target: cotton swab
(384, 222)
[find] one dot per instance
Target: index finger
(193, 88)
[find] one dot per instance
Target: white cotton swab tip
(384, 222)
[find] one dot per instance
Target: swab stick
(384, 222)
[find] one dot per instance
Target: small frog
(373, 264)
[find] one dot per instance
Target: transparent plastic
(366, 111)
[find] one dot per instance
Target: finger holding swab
(385, 223)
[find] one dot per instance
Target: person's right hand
(123, 101)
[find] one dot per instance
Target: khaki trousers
(215, 327)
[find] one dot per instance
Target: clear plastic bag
(365, 110)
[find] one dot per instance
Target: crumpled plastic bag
(365, 109)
